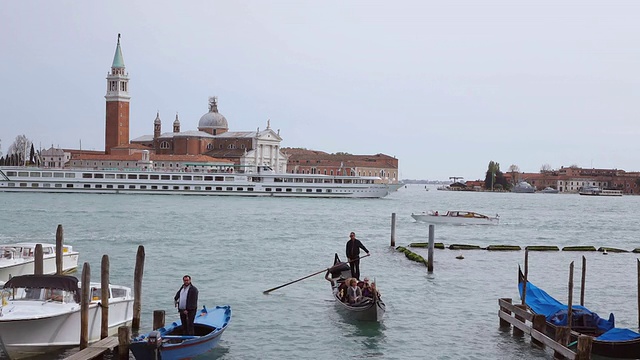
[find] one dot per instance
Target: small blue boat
(168, 343)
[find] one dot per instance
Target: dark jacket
(192, 298)
(353, 249)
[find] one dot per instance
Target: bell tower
(117, 98)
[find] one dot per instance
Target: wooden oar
(308, 276)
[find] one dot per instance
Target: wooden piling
(137, 288)
(638, 270)
(124, 340)
(526, 276)
(431, 246)
(393, 229)
(518, 332)
(59, 242)
(583, 280)
(570, 298)
(38, 260)
(584, 347)
(104, 297)
(563, 334)
(539, 323)
(505, 323)
(158, 319)
(84, 306)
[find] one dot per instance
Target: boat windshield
(38, 294)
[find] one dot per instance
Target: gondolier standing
(186, 300)
(353, 253)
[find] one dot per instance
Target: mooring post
(158, 319)
(393, 229)
(431, 246)
(84, 306)
(505, 323)
(570, 298)
(104, 297)
(137, 288)
(539, 323)
(124, 340)
(526, 276)
(638, 270)
(59, 242)
(38, 260)
(516, 331)
(583, 280)
(562, 337)
(584, 347)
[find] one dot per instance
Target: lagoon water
(235, 248)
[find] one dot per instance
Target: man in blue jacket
(186, 300)
(353, 253)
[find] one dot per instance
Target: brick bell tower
(117, 113)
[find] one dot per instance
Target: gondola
(608, 341)
(370, 309)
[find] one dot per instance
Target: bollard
(505, 323)
(584, 347)
(59, 242)
(393, 229)
(38, 260)
(124, 340)
(104, 297)
(158, 319)
(431, 246)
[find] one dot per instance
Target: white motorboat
(18, 259)
(195, 181)
(549, 190)
(456, 217)
(41, 313)
(523, 187)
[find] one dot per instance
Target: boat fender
(154, 339)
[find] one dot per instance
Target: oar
(308, 276)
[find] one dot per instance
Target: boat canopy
(63, 282)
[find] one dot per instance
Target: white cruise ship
(193, 181)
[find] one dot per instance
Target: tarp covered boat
(169, 343)
(370, 309)
(608, 340)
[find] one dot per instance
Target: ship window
(318, 190)
(109, 176)
(119, 293)
(164, 177)
(109, 186)
(250, 189)
(219, 188)
(132, 186)
(240, 189)
(175, 177)
(176, 187)
(23, 173)
(309, 190)
(154, 187)
(58, 175)
(98, 176)
(267, 189)
(278, 189)
(87, 186)
(208, 178)
(298, 190)
(87, 175)
(229, 188)
(197, 178)
(186, 177)
(154, 177)
(219, 178)
(165, 187)
(187, 188)
(328, 190)
(197, 188)
(11, 173)
(98, 186)
(207, 188)
(132, 176)
(143, 177)
(35, 185)
(121, 176)
(69, 185)
(46, 185)
(58, 185)
(34, 174)
(228, 178)
(288, 190)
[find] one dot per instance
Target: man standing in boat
(353, 253)
(186, 300)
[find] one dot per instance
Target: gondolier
(353, 253)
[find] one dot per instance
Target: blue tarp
(556, 312)
(617, 334)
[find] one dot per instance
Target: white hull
(16, 179)
(25, 265)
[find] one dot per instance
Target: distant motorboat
(456, 217)
(549, 190)
(523, 187)
(18, 259)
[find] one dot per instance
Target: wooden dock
(524, 322)
(108, 344)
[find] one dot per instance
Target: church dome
(213, 119)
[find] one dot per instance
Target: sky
(444, 86)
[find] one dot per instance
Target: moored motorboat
(41, 313)
(523, 187)
(549, 190)
(369, 309)
(18, 259)
(456, 217)
(608, 340)
(169, 343)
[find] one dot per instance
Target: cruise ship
(190, 181)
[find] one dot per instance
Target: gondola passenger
(354, 292)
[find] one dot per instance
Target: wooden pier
(525, 322)
(106, 345)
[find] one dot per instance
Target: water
(235, 248)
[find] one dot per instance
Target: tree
(494, 176)
(19, 148)
(514, 170)
(31, 154)
(545, 168)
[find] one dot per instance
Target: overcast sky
(444, 86)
